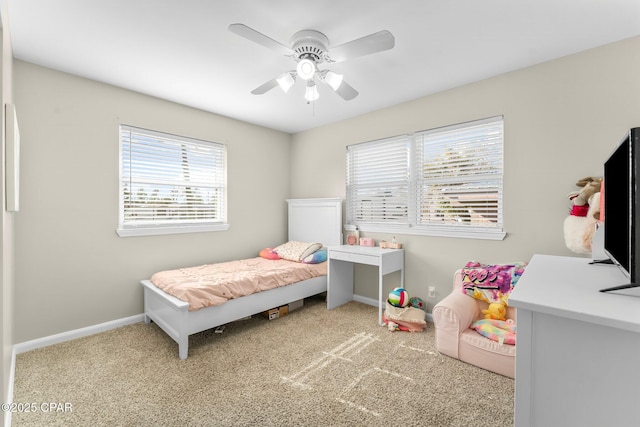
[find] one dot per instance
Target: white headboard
(316, 220)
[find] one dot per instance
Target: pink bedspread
(214, 284)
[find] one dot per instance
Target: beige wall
(562, 119)
(72, 270)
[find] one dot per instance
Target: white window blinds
(445, 181)
(169, 181)
(460, 175)
(378, 181)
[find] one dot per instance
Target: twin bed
(310, 220)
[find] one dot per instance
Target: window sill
(156, 231)
(423, 231)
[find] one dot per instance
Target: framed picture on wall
(352, 234)
(12, 137)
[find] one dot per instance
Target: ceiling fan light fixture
(333, 79)
(310, 48)
(285, 81)
(311, 93)
(306, 68)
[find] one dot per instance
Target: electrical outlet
(432, 292)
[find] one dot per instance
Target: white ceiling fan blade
(266, 87)
(376, 42)
(259, 38)
(345, 90)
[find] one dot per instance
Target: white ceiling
(182, 50)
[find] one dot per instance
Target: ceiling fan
(310, 48)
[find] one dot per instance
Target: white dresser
(578, 349)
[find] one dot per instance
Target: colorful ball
(399, 297)
(417, 303)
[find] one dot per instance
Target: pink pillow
(269, 253)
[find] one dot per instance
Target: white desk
(578, 349)
(340, 275)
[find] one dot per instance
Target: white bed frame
(310, 220)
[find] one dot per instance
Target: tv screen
(620, 199)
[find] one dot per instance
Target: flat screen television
(621, 208)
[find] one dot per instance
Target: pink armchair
(452, 317)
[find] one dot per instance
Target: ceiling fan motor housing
(310, 44)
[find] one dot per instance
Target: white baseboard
(365, 300)
(55, 339)
(91, 330)
(76, 333)
(374, 302)
(102, 327)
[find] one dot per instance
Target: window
(445, 182)
(170, 184)
(378, 181)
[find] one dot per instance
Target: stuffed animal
(580, 225)
(590, 186)
(495, 311)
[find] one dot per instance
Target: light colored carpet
(311, 368)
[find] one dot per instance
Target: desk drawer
(357, 258)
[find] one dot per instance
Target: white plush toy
(580, 225)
